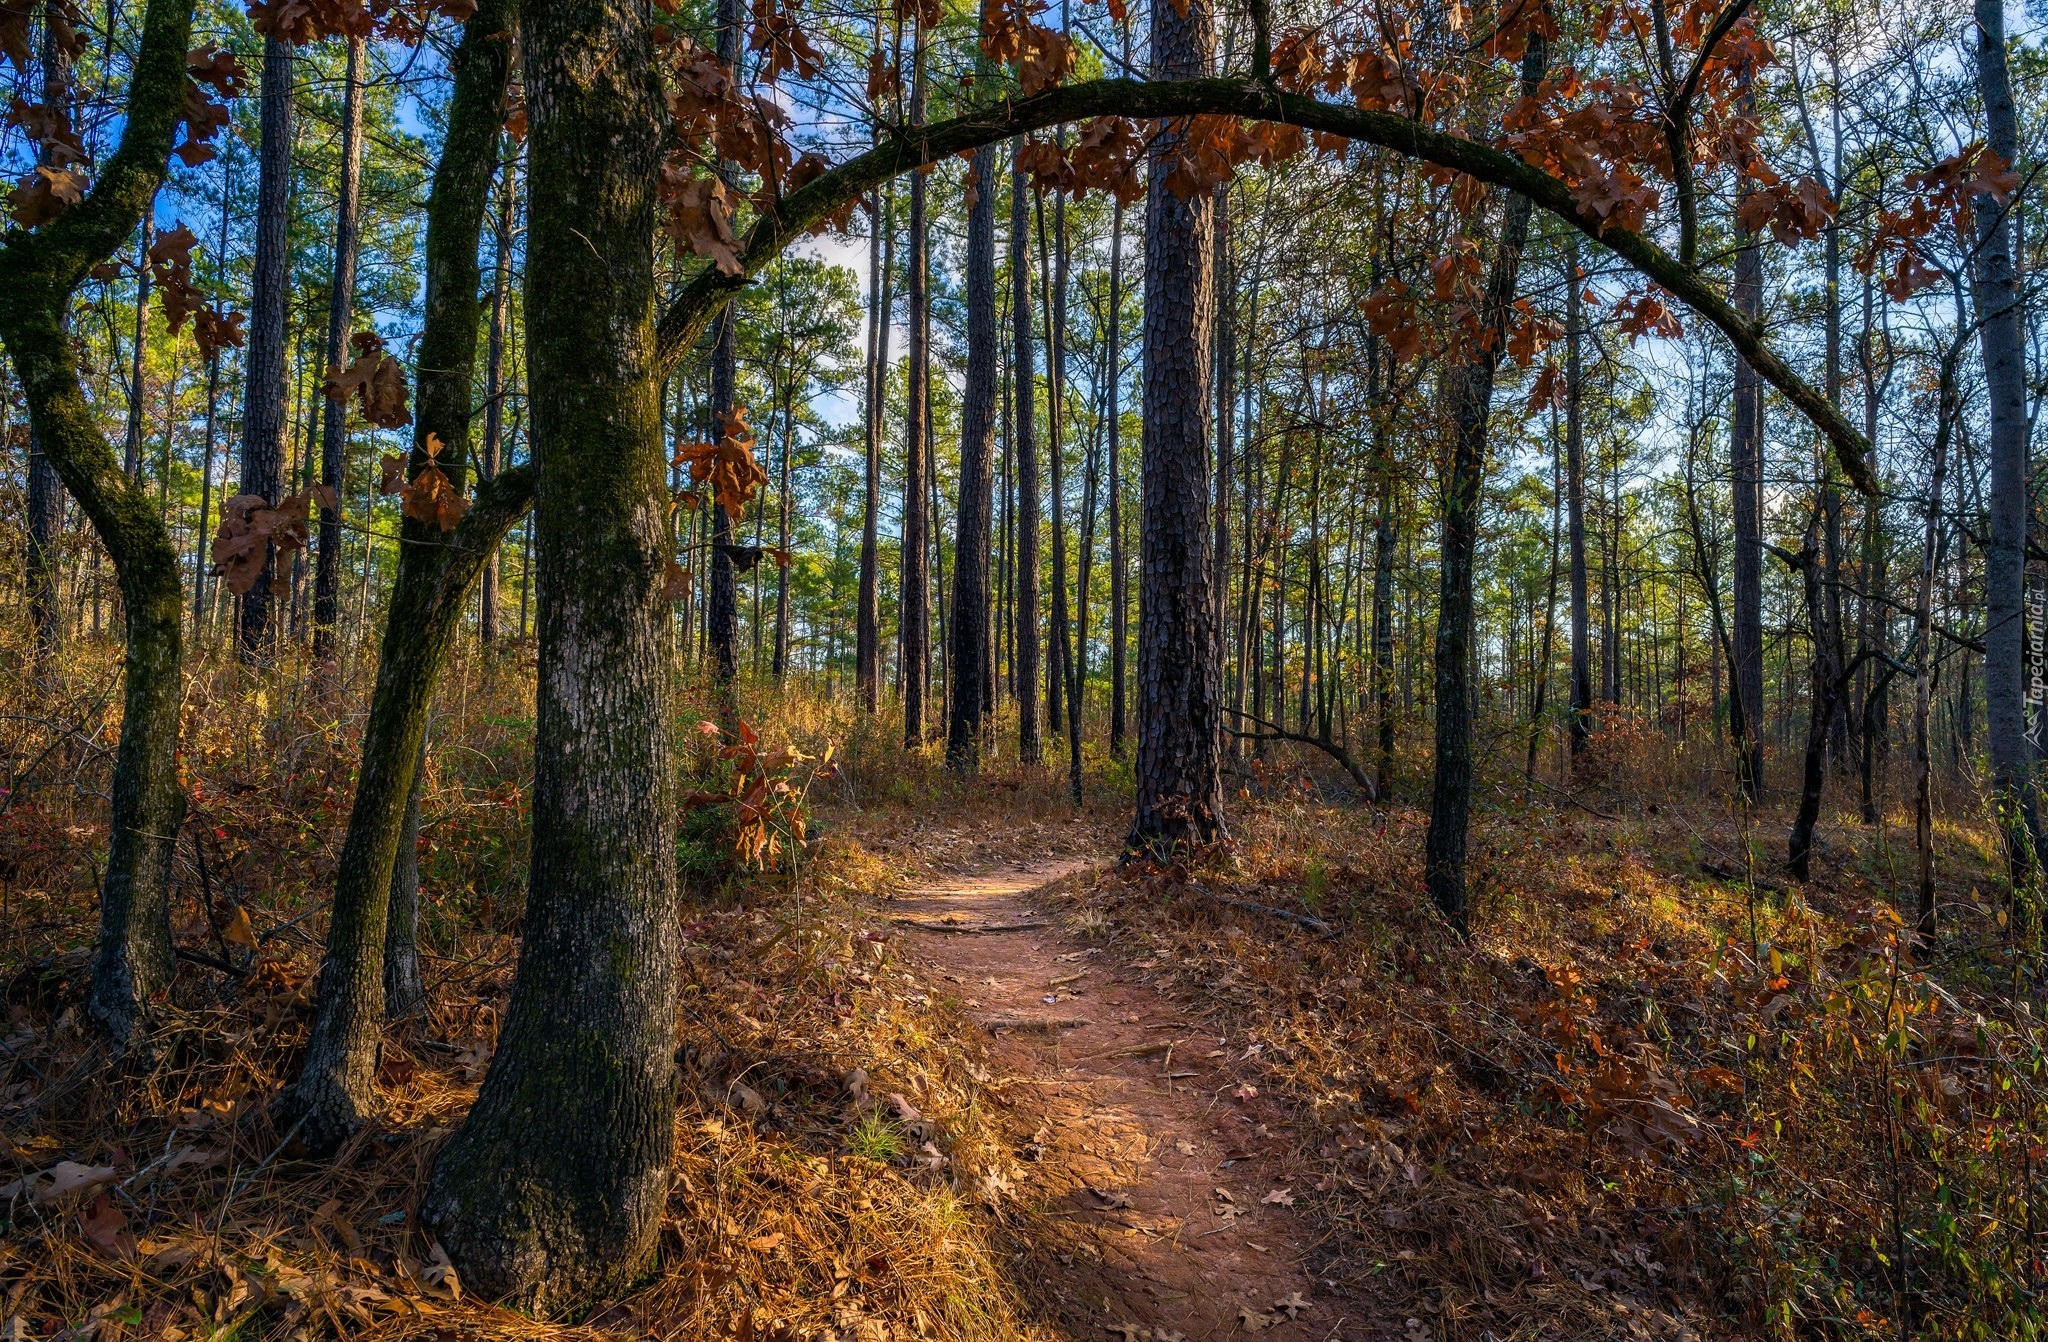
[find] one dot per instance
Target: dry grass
(831, 1133)
(1643, 1102)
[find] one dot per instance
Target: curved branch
(806, 208)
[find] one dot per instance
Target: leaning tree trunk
(1030, 745)
(263, 401)
(437, 570)
(1180, 685)
(969, 661)
(553, 1190)
(340, 302)
(1471, 396)
(39, 272)
(2001, 340)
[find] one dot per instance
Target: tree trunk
(131, 451)
(436, 573)
(334, 421)
(1575, 496)
(1947, 412)
(779, 659)
(2001, 340)
(868, 626)
(973, 519)
(1179, 771)
(1030, 748)
(39, 272)
(43, 563)
(1062, 689)
(721, 607)
(1549, 615)
(1745, 453)
(1225, 377)
(489, 460)
(1470, 397)
(405, 992)
(1812, 565)
(917, 454)
(1119, 629)
(553, 1190)
(263, 401)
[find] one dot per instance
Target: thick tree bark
(1471, 397)
(437, 572)
(340, 305)
(1023, 365)
(915, 561)
(263, 400)
(969, 662)
(554, 1188)
(2001, 341)
(39, 272)
(1113, 370)
(1179, 769)
(489, 458)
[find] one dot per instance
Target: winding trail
(1151, 1181)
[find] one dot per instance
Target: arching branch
(803, 209)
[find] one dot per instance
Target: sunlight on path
(1143, 1173)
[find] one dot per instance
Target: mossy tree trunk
(39, 272)
(554, 1188)
(437, 571)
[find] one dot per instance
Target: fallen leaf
(1254, 1323)
(1112, 1198)
(66, 1177)
(105, 1226)
(1292, 1306)
(439, 1275)
(764, 1243)
(1279, 1197)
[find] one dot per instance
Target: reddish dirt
(1155, 1208)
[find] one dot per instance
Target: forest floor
(1662, 1093)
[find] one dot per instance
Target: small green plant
(876, 1138)
(1315, 882)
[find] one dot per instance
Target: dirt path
(1158, 1211)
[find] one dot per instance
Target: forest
(1041, 670)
